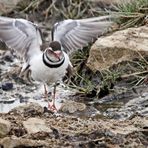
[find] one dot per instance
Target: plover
(50, 65)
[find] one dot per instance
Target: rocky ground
(119, 119)
(31, 126)
(113, 116)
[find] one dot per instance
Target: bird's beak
(57, 54)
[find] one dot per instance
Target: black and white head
(54, 52)
(53, 55)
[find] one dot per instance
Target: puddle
(22, 94)
(6, 107)
(98, 108)
(125, 107)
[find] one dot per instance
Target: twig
(52, 5)
(134, 74)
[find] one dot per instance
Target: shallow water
(118, 105)
(6, 107)
(121, 108)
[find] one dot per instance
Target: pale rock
(34, 125)
(30, 106)
(72, 106)
(5, 127)
(120, 46)
(11, 142)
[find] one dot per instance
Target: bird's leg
(54, 90)
(46, 92)
(51, 105)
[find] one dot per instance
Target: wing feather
(75, 34)
(20, 35)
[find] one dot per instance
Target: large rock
(5, 127)
(120, 46)
(34, 125)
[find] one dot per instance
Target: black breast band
(52, 65)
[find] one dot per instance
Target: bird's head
(54, 52)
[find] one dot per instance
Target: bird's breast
(43, 73)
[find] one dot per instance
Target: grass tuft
(133, 6)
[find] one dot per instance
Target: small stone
(34, 125)
(8, 58)
(25, 109)
(4, 127)
(7, 86)
(72, 107)
(7, 100)
(18, 142)
(81, 106)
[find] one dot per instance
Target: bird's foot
(52, 107)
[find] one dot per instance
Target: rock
(3, 46)
(4, 127)
(8, 56)
(7, 86)
(34, 125)
(7, 5)
(30, 109)
(120, 46)
(71, 107)
(7, 100)
(11, 142)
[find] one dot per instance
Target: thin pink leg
(45, 92)
(51, 105)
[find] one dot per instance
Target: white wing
(75, 34)
(20, 35)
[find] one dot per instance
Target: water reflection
(6, 107)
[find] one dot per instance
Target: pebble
(5, 127)
(7, 86)
(72, 106)
(7, 100)
(8, 58)
(34, 125)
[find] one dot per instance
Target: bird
(50, 65)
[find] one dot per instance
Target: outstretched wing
(75, 34)
(20, 35)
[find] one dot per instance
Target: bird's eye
(54, 49)
(49, 49)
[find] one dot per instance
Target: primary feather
(21, 35)
(75, 34)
